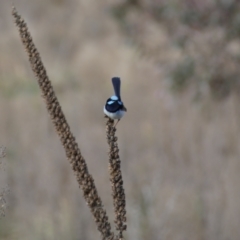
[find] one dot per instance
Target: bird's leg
(116, 123)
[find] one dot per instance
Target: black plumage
(114, 105)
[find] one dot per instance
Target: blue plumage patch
(113, 105)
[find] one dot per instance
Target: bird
(114, 107)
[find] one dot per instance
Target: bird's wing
(114, 107)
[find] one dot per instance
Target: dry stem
(118, 194)
(85, 180)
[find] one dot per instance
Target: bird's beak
(124, 108)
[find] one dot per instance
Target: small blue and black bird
(114, 107)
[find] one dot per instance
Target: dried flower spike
(85, 180)
(118, 193)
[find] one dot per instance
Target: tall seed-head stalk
(118, 193)
(73, 153)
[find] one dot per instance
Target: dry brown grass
(181, 167)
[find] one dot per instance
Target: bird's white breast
(116, 115)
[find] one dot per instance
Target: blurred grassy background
(179, 141)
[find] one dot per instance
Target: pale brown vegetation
(182, 170)
(3, 189)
